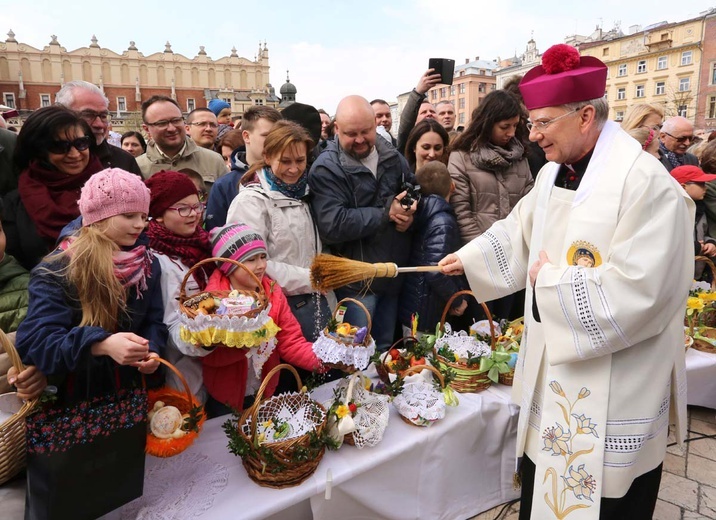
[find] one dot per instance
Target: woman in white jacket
(272, 200)
(178, 241)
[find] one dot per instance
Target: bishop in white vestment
(607, 244)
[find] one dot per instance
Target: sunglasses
(681, 139)
(62, 147)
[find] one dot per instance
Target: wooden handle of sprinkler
(420, 269)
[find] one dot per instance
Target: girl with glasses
(179, 241)
(55, 154)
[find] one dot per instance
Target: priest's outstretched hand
(451, 265)
(534, 270)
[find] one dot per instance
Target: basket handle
(253, 411)
(493, 338)
(14, 359)
(419, 368)
(711, 266)
(189, 396)
(349, 393)
(359, 304)
(182, 287)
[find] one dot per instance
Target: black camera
(412, 194)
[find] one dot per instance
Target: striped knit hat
(236, 241)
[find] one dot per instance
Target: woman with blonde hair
(648, 139)
(272, 201)
(644, 114)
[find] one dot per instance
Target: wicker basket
(259, 294)
(348, 342)
(416, 369)
(381, 369)
(12, 430)
(281, 469)
(467, 379)
(185, 402)
(349, 437)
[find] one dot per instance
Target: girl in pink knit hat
(95, 303)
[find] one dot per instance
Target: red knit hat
(690, 173)
(168, 187)
(564, 77)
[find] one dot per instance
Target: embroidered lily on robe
(580, 482)
(584, 425)
(555, 440)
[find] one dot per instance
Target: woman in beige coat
(272, 201)
(490, 170)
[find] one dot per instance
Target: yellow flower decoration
(707, 296)
(694, 303)
(342, 411)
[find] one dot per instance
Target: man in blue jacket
(356, 187)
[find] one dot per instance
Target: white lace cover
(461, 344)
(482, 328)
(420, 403)
(302, 416)
(260, 355)
(372, 416)
(173, 491)
(224, 322)
(329, 350)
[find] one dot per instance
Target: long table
(701, 378)
(457, 468)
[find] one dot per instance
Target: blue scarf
(674, 159)
(295, 191)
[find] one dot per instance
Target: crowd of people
(109, 234)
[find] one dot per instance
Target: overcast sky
(332, 48)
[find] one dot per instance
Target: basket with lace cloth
(345, 351)
(282, 435)
(469, 378)
(701, 323)
(201, 326)
(365, 426)
(12, 428)
(419, 402)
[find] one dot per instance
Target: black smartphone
(443, 66)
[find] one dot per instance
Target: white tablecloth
(701, 378)
(457, 468)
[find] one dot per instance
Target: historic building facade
(30, 77)
(660, 65)
(706, 100)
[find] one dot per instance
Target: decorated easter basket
(357, 416)
(701, 313)
(247, 329)
(12, 429)
(418, 402)
(346, 352)
(509, 341)
(469, 378)
(387, 372)
(192, 412)
(280, 439)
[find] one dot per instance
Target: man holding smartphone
(414, 106)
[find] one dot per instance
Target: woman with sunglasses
(178, 240)
(55, 154)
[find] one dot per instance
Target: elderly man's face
(679, 139)
(92, 107)
(356, 134)
(383, 116)
(558, 138)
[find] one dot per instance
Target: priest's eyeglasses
(540, 126)
(185, 211)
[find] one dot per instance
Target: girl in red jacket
(229, 378)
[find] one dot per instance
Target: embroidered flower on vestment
(580, 482)
(584, 424)
(555, 440)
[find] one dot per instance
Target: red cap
(690, 173)
(564, 77)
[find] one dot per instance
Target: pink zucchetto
(564, 77)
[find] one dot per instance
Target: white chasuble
(597, 375)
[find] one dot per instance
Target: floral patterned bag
(86, 459)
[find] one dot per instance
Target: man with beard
(357, 188)
(171, 148)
